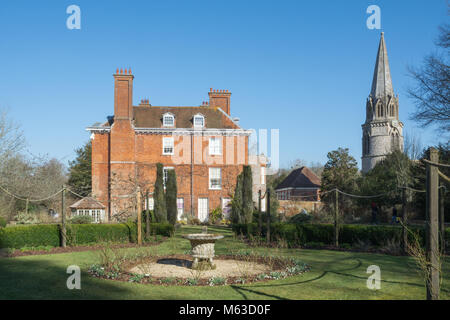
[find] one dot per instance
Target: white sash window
(215, 178)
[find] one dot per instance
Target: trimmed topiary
(171, 197)
(160, 208)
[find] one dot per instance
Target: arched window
(168, 120)
(395, 141)
(367, 144)
(379, 110)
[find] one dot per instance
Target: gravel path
(180, 268)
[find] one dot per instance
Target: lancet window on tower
(395, 141)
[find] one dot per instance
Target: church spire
(382, 82)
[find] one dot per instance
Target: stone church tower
(382, 131)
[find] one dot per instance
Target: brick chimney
(220, 98)
(123, 95)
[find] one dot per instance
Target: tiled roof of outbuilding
(300, 178)
(87, 203)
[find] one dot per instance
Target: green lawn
(333, 275)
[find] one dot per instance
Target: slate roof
(87, 203)
(151, 117)
(300, 178)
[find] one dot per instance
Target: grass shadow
(31, 279)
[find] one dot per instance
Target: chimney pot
(121, 70)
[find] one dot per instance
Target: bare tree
(297, 163)
(317, 168)
(430, 91)
(413, 147)
(11, 137)
(32, 179)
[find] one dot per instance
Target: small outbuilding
(88, 206)
(300, 185)
(298, 192)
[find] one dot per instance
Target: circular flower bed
(176, 270)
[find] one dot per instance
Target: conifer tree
(247, 201)
(236, 204)
(158, 195)
(242, 204)
(80, 170)
(171, 196)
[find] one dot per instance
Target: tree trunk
(268, 216)
(432, 228)
(139, 216)
(336, 223)
(63, 217)
(442, 218)
(404, 221)
(259, 214)
(147, 221)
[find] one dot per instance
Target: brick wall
(123, 159)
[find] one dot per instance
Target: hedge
(300, 234)
(30, 236)
(77, 234)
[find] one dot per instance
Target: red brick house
(203, 144)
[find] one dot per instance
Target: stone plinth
(202, 247)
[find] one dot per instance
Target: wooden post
(63, 217)
(404, 221)
(336, 223)
(139, 215)
(147, 222)
(26, 207)
(268, 216)
(432, 227)
(260, 214)
(442, 218)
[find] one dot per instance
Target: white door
(226, 208)
(180, 208)
(203, 209)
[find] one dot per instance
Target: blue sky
(303, 67)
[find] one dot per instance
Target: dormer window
(199, 121)
(168, 120)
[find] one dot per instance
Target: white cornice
(192, 131)
(179, 131)
(98, 129)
